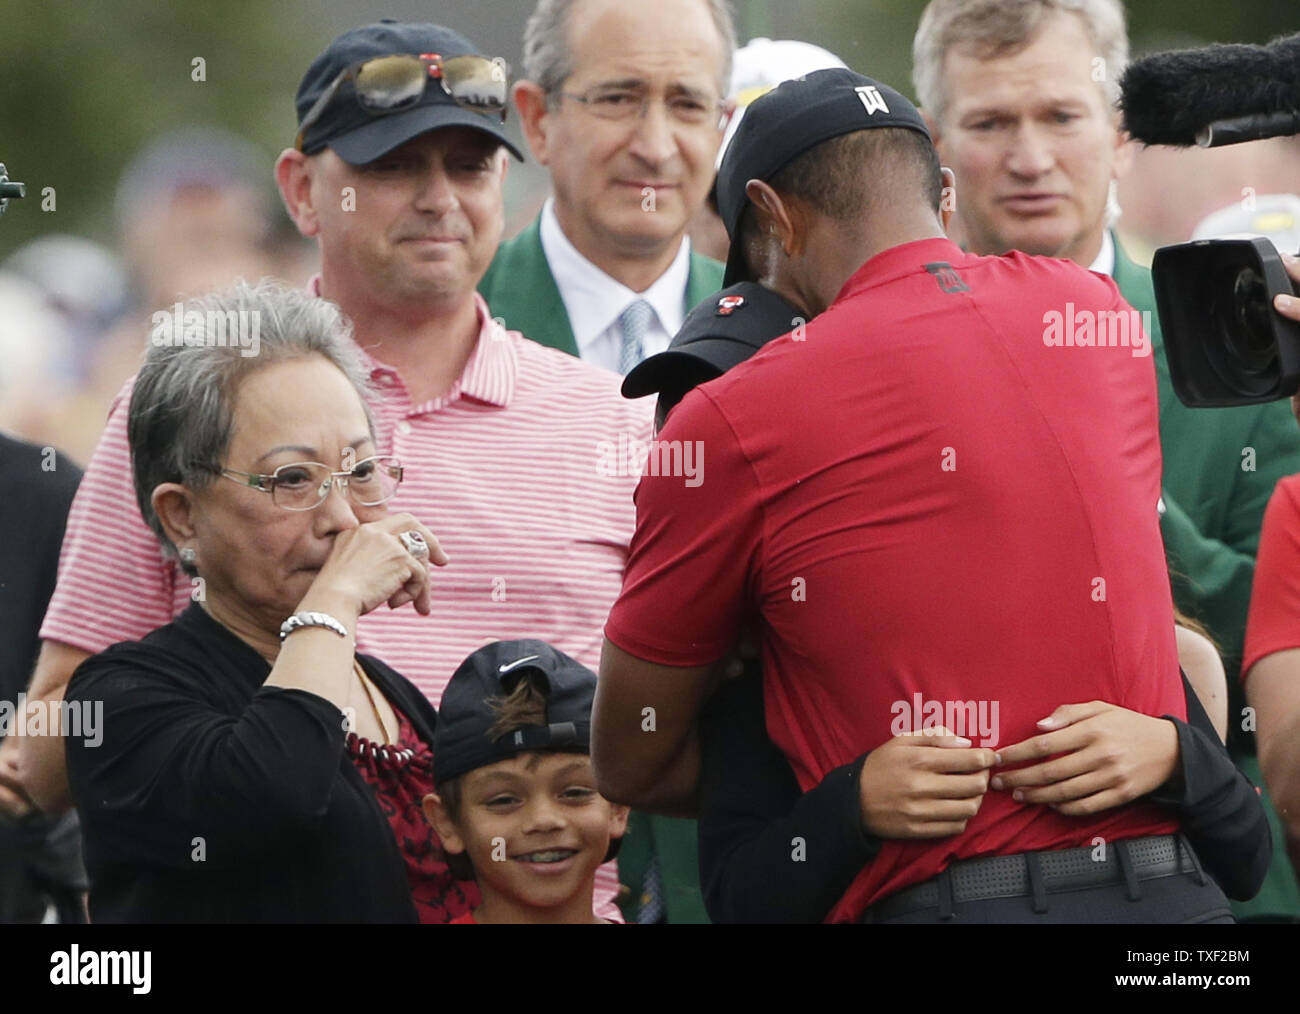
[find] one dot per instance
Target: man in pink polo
(398, 176)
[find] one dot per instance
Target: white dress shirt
(1105, 262)
(594, 300)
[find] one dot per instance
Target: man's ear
(727, 114)
(1124, 152)
(618, 814)
(293, 175)
(781, 218)
(174, 505)
(534, 115)
(932, 125)
(440, 820)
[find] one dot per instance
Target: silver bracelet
(299, 620)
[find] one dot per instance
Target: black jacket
(771, 853)
(215, 799)
(36, 490)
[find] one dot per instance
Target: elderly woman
(254, 767)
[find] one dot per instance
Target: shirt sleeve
(1220, 811)
(1275, 598)
(168, 768)
(695, 550)
(114, 583)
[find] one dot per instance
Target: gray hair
(548, 62)
(998, 27)
(180, 421)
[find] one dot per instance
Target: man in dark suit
(40, 856)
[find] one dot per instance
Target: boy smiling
(517, 807)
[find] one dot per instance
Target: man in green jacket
(624, 104)
(521, 289)
(1019, 95)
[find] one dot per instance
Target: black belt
(1036, 874)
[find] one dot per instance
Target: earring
(188, 556)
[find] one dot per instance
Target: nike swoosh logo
(502, 670)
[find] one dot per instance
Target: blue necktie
(633, 324)
(651, 910)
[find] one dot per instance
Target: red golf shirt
(930, 505)
(1275, 597)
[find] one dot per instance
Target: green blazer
(520, 289)
(1220, 467)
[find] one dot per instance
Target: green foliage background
(84, 83)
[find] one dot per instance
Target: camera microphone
(1224, 344)
(1216, 95)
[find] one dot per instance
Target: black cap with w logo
(793, 117)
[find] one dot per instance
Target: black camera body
(1224, 342)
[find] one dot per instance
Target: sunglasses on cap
(389, 84)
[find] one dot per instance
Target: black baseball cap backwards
(460, 739)
(721, 332)
(794, 116)
(358, 137)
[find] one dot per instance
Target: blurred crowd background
(146, 134)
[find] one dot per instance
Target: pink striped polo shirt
(510, 469)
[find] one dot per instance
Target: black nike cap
(794, 116)
(358, 137)
(721, 332)
(460, 740)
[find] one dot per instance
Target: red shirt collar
(902, 260)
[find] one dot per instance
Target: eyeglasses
(612, 102)
(389, 84)
(304, 485)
